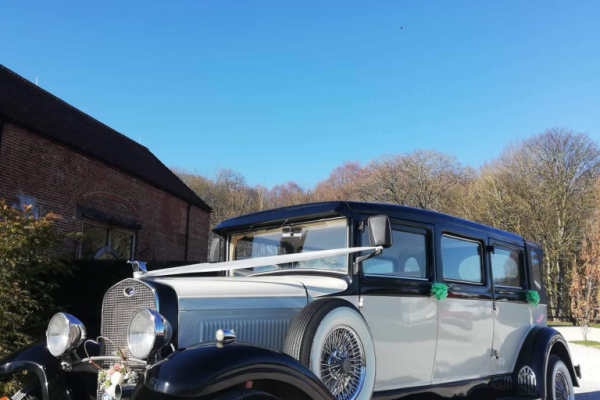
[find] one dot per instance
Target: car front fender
(54, 381)
(211, 368)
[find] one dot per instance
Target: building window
(106, 242)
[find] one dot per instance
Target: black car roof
(348, 208)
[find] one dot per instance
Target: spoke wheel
(343, 363)
(561, 386)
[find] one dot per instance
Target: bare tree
(287, 194)
(421, 179)
(585, 279)
(343, 183)
(543, 189)
(540, 188)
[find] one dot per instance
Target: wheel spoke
(343, 363)
(562, 389)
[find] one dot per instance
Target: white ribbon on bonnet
(254, 262)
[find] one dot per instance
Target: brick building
(125, 201)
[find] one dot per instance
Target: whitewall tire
(560, 384)
(331, 338)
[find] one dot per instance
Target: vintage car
(336, 300)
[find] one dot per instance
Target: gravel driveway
(590, 367)
(588, 358)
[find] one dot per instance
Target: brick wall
(60, 180)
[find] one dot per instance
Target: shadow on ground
(588, 396)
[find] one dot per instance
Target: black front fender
(54, 381)
(208, 369)
(540, 344)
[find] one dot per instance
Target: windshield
(291, 239)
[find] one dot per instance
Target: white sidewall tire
(351, 318)
(560, 366)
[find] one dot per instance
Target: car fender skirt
(540, 344)
(212, 368)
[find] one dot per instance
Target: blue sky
(287, 90)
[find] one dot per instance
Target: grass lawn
(589, 343)
(559, 323)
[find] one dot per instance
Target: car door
(513, 316)
(465, 317)
(398, 307)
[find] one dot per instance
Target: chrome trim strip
(239, 303)
(108, 358)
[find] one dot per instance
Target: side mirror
(215, 251)
(380, 231)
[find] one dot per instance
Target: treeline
(544, 188)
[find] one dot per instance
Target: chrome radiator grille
(117, 310)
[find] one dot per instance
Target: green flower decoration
(439, 290)
(533, 298)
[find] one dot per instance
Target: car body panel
(464, 345)
(259, 309)
(404, 332)
(512, 322)
(265, 327)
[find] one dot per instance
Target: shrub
(27, 270)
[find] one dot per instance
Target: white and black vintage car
(336, 300)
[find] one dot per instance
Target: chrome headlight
(148, 332)
(64, 334)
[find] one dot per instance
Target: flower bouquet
(118, 374)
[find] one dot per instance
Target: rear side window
(462, 260)
(407, 258)
(536, 266)
(507, 267)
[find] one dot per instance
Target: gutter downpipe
(187, 232)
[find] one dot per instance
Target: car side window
(507, 267)
(407, 258)
(461, 259)
(536, 266)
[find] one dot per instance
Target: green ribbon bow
(439, 290)
(533, 298)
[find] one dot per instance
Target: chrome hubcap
(343, 363)
(562, 391)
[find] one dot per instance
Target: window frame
(522, 271)
(482, 264)
(110, 228)
(230, 249)
(533, 283)
(403, 226)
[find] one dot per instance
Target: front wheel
(558, 380)
(331, 338)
